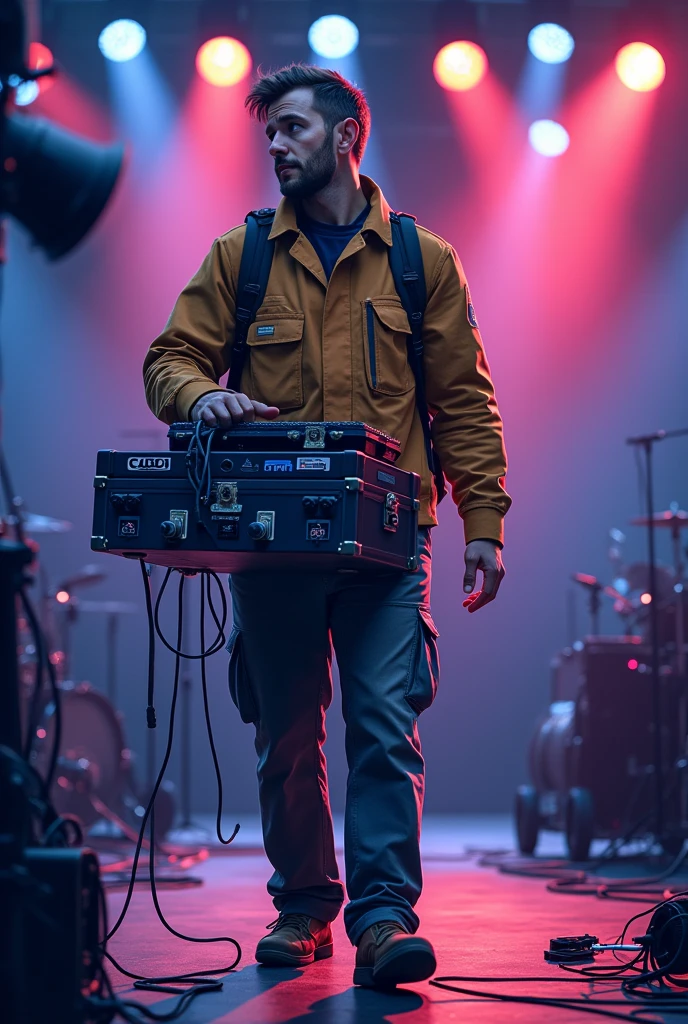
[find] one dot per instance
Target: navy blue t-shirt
(330, 240)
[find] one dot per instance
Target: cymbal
(108, 607)
(674, 518)
(34, 523)
(89, 574)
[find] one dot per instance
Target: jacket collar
(377, 220)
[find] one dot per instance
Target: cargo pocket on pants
(237, 678)
(425, 664)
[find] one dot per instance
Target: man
(330, 343)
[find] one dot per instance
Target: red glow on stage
(640, 67)
(62, 596)
(646, 598)
(41, 57)
(460, 66)
(632, 664)
(223, 61)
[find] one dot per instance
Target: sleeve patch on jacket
(470, 311)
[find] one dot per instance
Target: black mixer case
(322, 511)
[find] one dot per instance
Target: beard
(313, 176)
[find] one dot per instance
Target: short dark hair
(333, 97)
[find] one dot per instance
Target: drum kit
(94, 779)
(630, 590)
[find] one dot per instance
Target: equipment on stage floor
(231, 503)
(610, 758)
(591, 757)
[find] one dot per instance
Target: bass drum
(93, 758)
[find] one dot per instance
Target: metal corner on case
(350, 547)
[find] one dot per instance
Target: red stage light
(632, 664)
(62, 596)
(223, 61)
(460, 66)
(640, 67)
(646, 598)
(41, 57)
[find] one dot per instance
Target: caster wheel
(579, 823)
(527, 818)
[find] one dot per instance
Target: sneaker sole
(402, 966)
(278, 958)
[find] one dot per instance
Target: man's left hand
(485, 556)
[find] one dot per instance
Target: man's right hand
(223, 408)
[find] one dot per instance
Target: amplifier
(237, 510)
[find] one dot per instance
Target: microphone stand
(645, 442)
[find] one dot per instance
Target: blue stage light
(122, 40)
(549, 138)
(26, 93)
(333, 36)
(550, 43)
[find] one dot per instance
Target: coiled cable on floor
(198, 980)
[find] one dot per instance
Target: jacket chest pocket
(386, 335)
(275, 345)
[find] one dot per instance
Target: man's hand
(486, 556)
(223, 408)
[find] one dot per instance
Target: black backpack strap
(406, 264)
(254, 271)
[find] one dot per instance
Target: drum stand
(646, 442)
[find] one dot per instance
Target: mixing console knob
(257, 531)
(310, 502)
(171, 529)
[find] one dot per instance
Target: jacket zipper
(371, 342)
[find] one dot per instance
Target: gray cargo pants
(285, 626)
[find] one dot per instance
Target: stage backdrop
(578, 271)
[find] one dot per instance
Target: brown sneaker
(387, 956)
(296, 940)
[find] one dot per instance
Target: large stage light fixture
(550, 43)
(548, 138)
(460, 66)
(122, 40)
(223, 61)
(640, 67)
(333, 36)
(53, 182)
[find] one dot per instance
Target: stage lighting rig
(223, 61)
(53, 182)
(122, 40)
(333, 36)
(551, 43)
(640, 67)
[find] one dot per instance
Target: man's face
(300, 145)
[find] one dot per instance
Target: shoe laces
(298, 922)
(385, 930)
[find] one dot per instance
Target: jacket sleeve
(466, 426)
(190, 356)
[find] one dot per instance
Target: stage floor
(480, 921)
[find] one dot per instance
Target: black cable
(150, 709)
(39, 648)
(196, 978)
(206, 708)
(40, 643)
(219, 641)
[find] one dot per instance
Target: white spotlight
(550, 43)
(333, 36)
(122, 40)
(26, 93)
(549, 138)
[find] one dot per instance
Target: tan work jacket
(338, 351)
